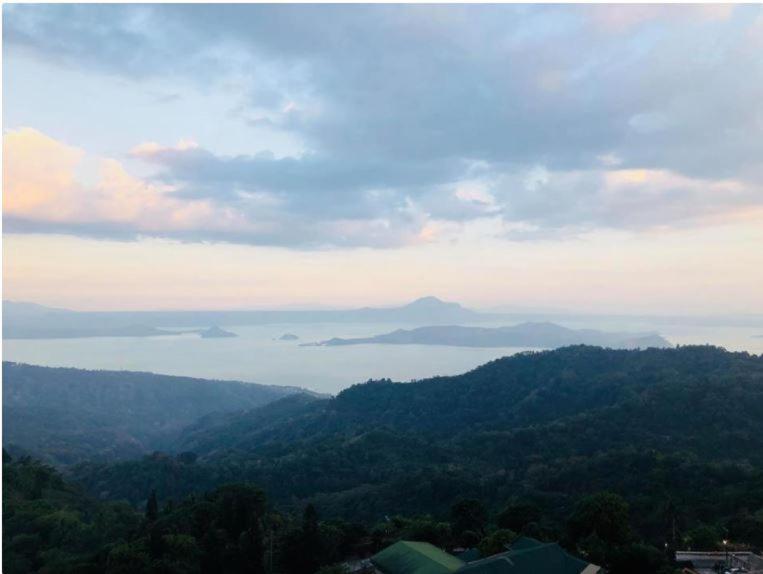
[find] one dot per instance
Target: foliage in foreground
(51, 526)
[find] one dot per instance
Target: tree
(603, 515)
(468, 515)
(187, 457)
(704, 537)
(426, 529)
(152, 507)
(496, 542)
(517, 515)
(302, 549)
(637, 559)
(180, 556)
(127, 559)
(240, 507)
(252, 550)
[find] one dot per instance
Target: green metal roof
(524, 542)
(533, 557)
(470, 555)
(525, 556)
(406, 557)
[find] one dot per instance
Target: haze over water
(258, 356)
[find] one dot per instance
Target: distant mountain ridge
(533, 335)
(31, 321)
(67, 415)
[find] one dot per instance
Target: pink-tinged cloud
(41, 185)
(560, 204)
(624, 17)
(44, 193)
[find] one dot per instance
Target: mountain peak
(430, 302)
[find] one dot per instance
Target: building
(529, 556)
(524, 556)
(712, 562)
(406, 557)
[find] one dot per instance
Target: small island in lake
(288, 337)
(215, 332)
(532, 335)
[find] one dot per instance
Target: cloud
(622, 18)
(44, 193)
(198, 196)
(42, 190)
(416, 118)
(574, 202)
(485, 82)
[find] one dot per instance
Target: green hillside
(677, 432)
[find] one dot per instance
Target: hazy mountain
(32, 321)
(67, 415)
(20, 308)
(536, 335)
(427, 308)
(25, 320)
(85, 332)
(216, 332)
(28, 320)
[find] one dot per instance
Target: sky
(598, 158)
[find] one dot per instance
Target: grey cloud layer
(398, 105)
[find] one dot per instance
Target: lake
(258, 356)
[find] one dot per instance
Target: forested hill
(686, 385)
(666, 428)
(69, 415)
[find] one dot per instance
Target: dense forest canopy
(676, 435)
(51, 525)
(679, 428)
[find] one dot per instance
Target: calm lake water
(258, 356)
